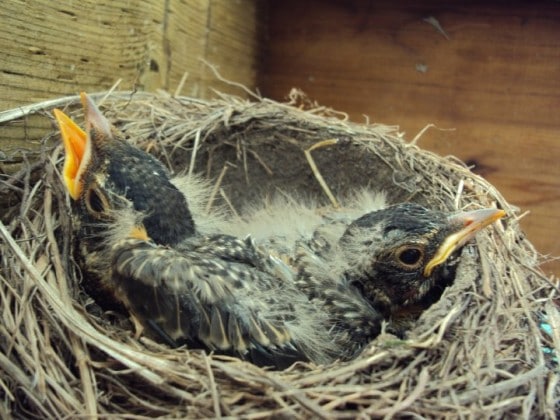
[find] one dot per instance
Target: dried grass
(475, 353)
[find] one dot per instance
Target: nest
(479, 351)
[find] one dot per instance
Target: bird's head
(105, 175)
(397, 255)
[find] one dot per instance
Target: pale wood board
(57, 48)
(53, 49)
(495, 81)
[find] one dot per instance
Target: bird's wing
(225, 305)
(355, 321)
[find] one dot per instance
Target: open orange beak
(78, 144)
(469, 224)
(74, 139)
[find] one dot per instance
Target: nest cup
(479, 351)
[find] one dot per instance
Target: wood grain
(53, 49)
(490, 81)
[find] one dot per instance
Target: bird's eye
(410, 256)
(96, 202)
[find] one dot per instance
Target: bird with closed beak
(367, 259)
(185, 281)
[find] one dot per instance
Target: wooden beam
(57, 49)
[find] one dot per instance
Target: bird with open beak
(140, 246)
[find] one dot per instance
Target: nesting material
(479, 351)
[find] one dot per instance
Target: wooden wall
(490, 72)
(52, 49)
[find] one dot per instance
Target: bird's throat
(75, 142)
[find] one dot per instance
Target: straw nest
(479, 351)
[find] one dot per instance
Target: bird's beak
(74, 139)
(95, 121)
(78, 143)
(469, 224)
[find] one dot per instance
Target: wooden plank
(55, 49)
(493, 77)
(212, 35)
(245, 19)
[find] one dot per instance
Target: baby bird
(367, 260)
(139, 246)
(317, 293)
